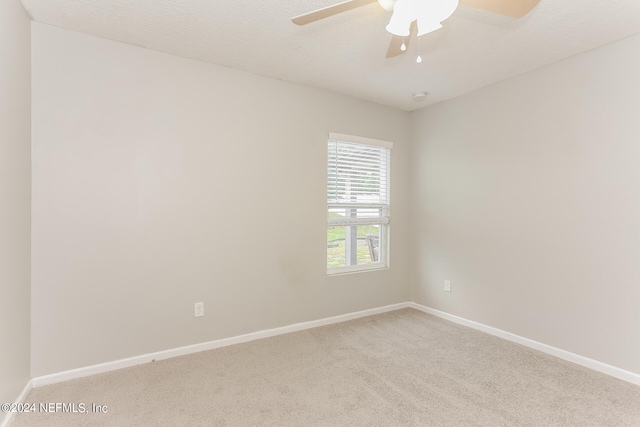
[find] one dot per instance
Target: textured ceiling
(346, 53)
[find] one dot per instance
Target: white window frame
(382, 221)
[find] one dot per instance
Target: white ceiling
(346, 53)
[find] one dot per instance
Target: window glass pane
(336, 254)
(353, 245)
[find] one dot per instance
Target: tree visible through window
(358, 196)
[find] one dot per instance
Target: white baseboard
(8, 417)
(613, 371)
(181, 351)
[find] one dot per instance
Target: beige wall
(527, 197)
(15, 198)
(160, 181)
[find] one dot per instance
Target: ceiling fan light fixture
(399, 28)
(403, 16)
(435, 9)
(429, 15)
(426, 26)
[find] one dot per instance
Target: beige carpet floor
(403, 368)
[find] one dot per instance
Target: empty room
(320, 213)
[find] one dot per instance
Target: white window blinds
(358, 174)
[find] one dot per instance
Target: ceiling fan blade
(328, 11)
(396, 42)
(512, 8)
(394, 46)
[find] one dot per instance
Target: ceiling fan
(419, 16)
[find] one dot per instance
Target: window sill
(341, 271)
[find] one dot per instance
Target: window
(358, 187)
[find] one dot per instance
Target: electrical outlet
(447, 285)
(198, 309)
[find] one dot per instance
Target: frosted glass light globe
(428, 13)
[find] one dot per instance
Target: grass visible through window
(336, 251)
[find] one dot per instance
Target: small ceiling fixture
(419, 96)
(427, 14)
